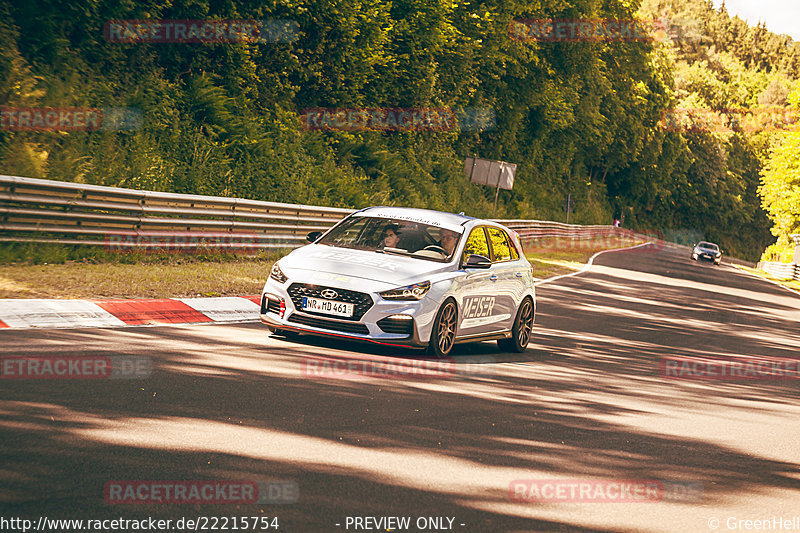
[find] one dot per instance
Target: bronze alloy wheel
(443, 335)
(521, 333)
(525, 323)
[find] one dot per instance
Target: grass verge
(564, 256)
(50, 271)
(792, 284)
(53, 271)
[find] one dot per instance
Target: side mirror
(477, 261)
(313, 236)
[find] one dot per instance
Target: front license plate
(328, 307)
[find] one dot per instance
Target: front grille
(361, 301)
(321, 323)
(394, 325)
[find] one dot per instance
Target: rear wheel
(443, 335)
(521, 332)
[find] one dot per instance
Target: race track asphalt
(368, 431)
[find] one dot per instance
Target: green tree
(780, 190)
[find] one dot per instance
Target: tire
(443, 335)
(522, 330)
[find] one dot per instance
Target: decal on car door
(480, 311)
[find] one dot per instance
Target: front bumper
(371, 327)
(709, 257)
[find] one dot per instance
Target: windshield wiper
(397, 251)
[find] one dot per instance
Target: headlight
(411, 292)
(277, 274)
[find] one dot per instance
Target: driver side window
(476, 244)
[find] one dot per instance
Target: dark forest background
(576, 117)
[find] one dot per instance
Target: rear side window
(476, 244)
(500, 245)
(511, 240)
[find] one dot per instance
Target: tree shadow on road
(224, 403)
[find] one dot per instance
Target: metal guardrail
(531, 229)
(49, 211)
(37, 210)
(781, 270)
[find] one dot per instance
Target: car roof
(429, 216)
(413, 214)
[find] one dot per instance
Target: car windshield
(394, 236)
(708, 246)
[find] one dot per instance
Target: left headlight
(277, 274)
(410, 292)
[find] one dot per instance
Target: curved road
(365, 431)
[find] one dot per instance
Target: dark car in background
(707, 251)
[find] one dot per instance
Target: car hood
(391, 270)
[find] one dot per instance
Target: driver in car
(449, 240)
(389, 237)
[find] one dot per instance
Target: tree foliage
(780, 191)
(579, 118)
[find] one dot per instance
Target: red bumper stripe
(350, 337)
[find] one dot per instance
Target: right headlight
(277, 274)
(410, 292)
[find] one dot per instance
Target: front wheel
(521, 332)
(443, 335)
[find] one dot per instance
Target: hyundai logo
(330, 294)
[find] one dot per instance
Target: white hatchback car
(406, 277)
